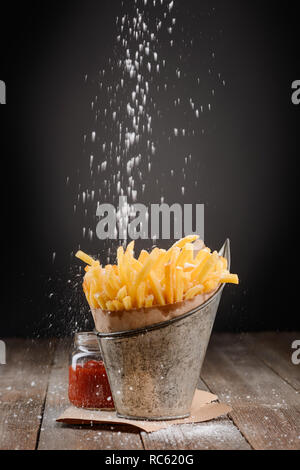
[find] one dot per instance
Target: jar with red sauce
(88, 382)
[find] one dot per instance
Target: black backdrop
(248, 178)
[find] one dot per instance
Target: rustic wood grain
(266, 409)
(219, 434)
(23, 386)
(275, 350)
(56, 436)
(253, 373)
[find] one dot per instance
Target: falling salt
(126, 109)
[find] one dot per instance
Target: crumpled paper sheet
(204, 408)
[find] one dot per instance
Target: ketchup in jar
(88, 382)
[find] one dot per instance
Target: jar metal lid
(87, 340)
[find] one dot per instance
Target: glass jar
(88, 382)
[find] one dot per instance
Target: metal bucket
(153, 372)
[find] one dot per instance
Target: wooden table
(253, 373)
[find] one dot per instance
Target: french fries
(154, 279)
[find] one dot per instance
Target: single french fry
(101, 299)
(229, 279)
(196, 290)
(168, 255)
(202, 261)
(127, 303)
(174, 256)
(219, 266)
(121, 266)
(184, 241)
(118, 305)
(149, 301)
(110, 306)
(201, 255)
(109, 289)
(169, 275)
(131, 286)
(163, 259)
(122, 293)
(188, 268)
(140, 294)
(144, 255)
(85, 258)
(207, 267)
(157, 289)
(114, 280)
(97, 272)
(92, 292)
(115, 270)
(214, 276)
(210, 285)
(179, 284)
(186, 255)
(128, 257)
(130, 272)
(130, 249)
(120, 254)
(148, 266)
(135, 264)
(186, 281)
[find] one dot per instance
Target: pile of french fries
(154, 279)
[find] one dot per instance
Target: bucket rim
(225, 251)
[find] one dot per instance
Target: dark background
(247, 171)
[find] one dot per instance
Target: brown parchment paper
(112, 322)
(204, 408)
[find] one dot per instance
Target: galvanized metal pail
(153, 372)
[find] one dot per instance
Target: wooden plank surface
(266, 409)
(219, 434)
(23, 386)
(253, 373)
(56, 436)
(275, 350)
